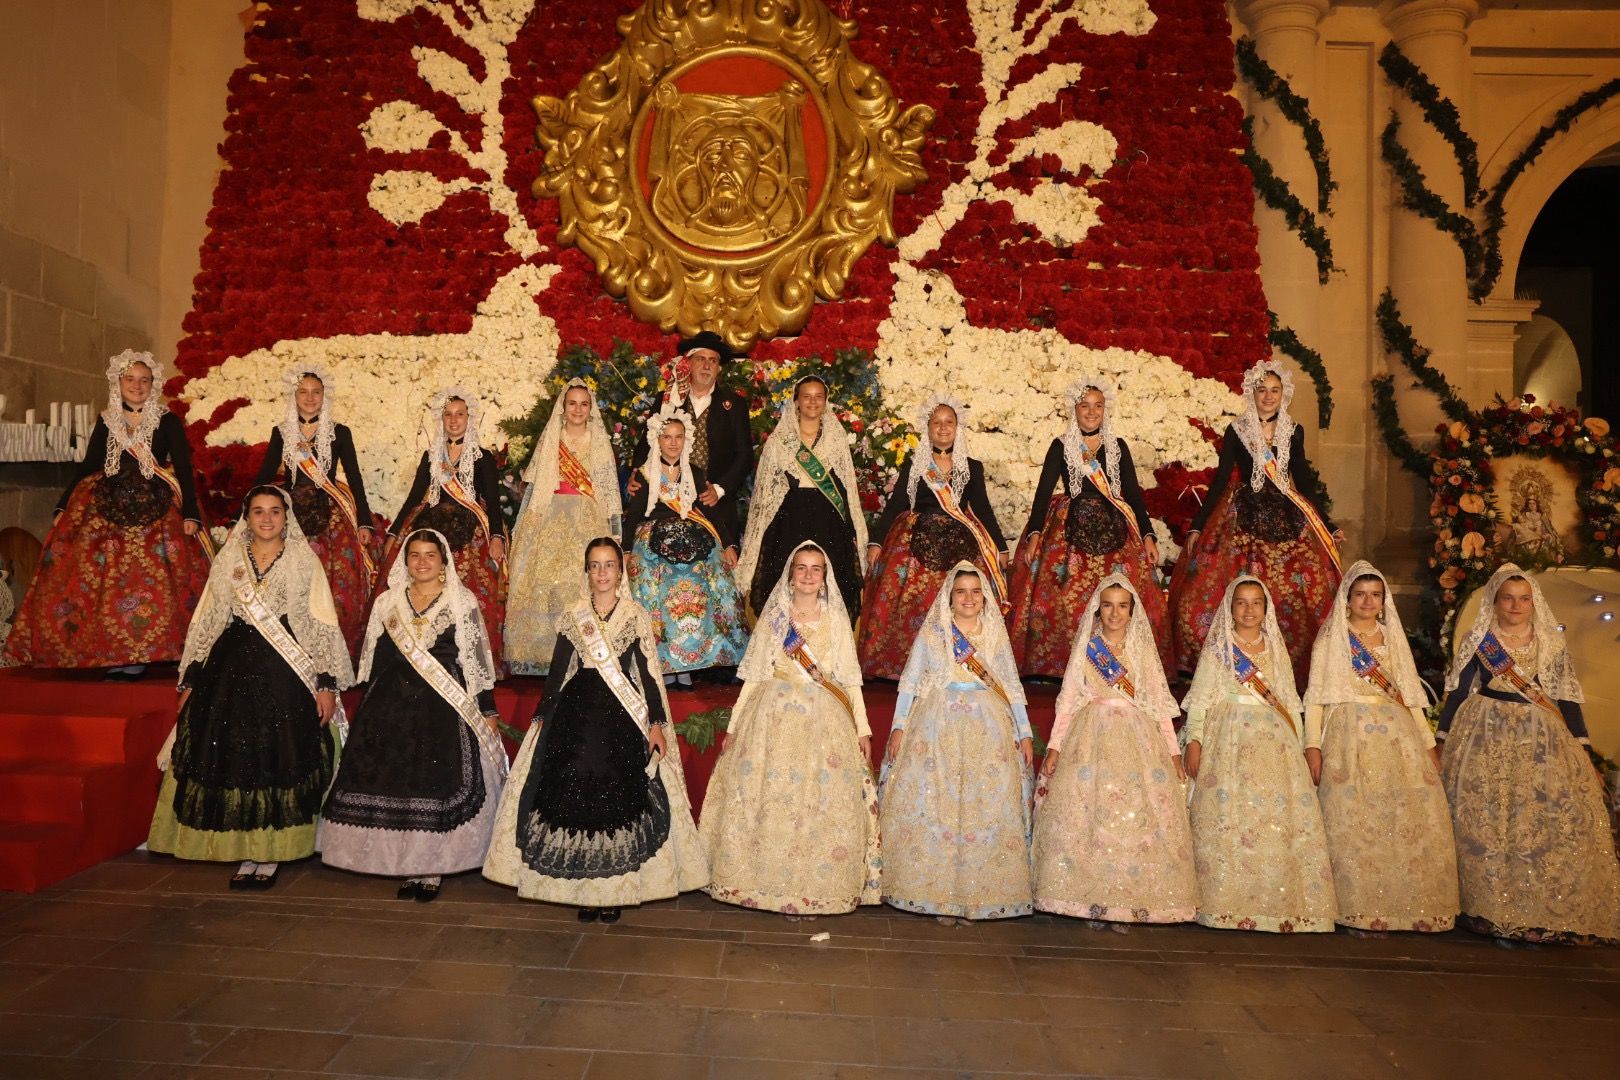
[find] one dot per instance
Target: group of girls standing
(1337, 808)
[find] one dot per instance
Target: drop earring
(442, 578)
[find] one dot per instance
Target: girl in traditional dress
(1534, 851)
(791, 815)
(681, 557)
(252, 753)
(1097, 526)
(1257, 829)
(937, 516)
(1259, 518)
(305, 452)
(127, 557)
(805, 491)
(1112, 840)
(421, 776)
(1369, 747)
(457, 494)
(596, 813)
(572, 495)
(957, 774)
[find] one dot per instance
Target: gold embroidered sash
(595, 648)
(271, 629)
(439, 678)
(344, 498)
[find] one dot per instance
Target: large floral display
(1084, 208)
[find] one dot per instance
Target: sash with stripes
(454, 694)
(1109, 666)
(941, 487)
(1098, 476)
(572, 471)
(1366, 665)
(1499, 662)
(1313, 520)
(344, 498)
(964, 653)
(693, 514)
(451, 486)
(1248, 673)
(798, 649)
(143, 455)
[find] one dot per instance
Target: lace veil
(1333, 678)
(931, 665)
(1216, 673)
(778, 460)
(324, 428)
(471, 451)
(456, 606)
(119, 437)
(1074, 446)
(959, 449)
(1140, 657)
(759, 662)
(685, 493)
(1247, 425)
(1554, 670)
(541, 473)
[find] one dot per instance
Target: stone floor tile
(790, 1037)
(1321, 1057)
(1306, 1020)
(367, 1055)
(1127, 1012)
(606, 1066)
(489, 945)
(472, 977)
(671, 990)
(563, 983)
(886, 1002)
(132, 995)
(1138, 1052)
(778, 996)
(943, 971)
(439, 1014)
(1092, 978)
(23, 1067)
(298, 1006)
(272, 1049)
(32, 948)
(355, 937)
(371, 972)
(53, 1035)
(201, 959)
(814, 963)
(614, 1026)
(654, 957)
(974, 1045)
(146, 1040)
(523, 1063)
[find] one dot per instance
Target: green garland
(1399, 339)
(1276, 193)
(1417, 196)
(1495, 218)
(1439, 111)
(1283, 339)
(1387, 413)
(1271, 86)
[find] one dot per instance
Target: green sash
(823, 479)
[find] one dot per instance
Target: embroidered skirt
(955, 810)
(548, 557)
(338, 545)
(1112, 839)
(117, 579)
(1051, 591)
(696, 608)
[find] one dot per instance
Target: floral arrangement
(1086, 208)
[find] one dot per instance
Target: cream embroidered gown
(790, 817)
(1385, 813)
(1112, 839)
(1258, 840)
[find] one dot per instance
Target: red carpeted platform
(78, 773)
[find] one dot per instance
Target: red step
(34, 855)
(60, 791)
(33, 736)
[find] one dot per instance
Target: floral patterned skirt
(548, 561)
(955, 810)
(1388, 825)
(1112, 840)
(696, 608)
(1050, 593)
(1534, 852)
(338, 545)
(790, 819)
(917, 554)
(1299, 574)
(474, 565)
(1258, 840)
(108, 594)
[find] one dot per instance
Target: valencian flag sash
(823, 479)
(1499, 662)
(451, 485)
(1248, 673)
(571, 471)
(1099, 479)
(1367, 667)
(1313, 520)
(963, 652)
(343, 497)
(941, 487)
(143, 455)
(1107, 665)
(798, 649)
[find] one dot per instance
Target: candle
(28, 417)
(56, 414)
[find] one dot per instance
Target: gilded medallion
(728, 163)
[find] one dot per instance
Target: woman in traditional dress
(572, 495)
(937, 516)
(421, 776)
(305, 451)
(1112, 840)
(1369, 747)
(596, 813)
(1534, 851)
(1260, 517)
(457, 494)
(127, 556)
(805, 492)
(681, 557)
(253, 750)
(958, 769)
(1097, 526)
(1258, 839)
(791, 815)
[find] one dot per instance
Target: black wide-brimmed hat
(707, 339)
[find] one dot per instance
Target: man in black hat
(722, 442)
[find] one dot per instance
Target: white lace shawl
(777, 461)
(1247, 426)
(295, 586)
(325, 430)
(456, 604)
(1074, 446)
(1217, 675)
(685, 488)
(439, 457)
(629, 624)
(120, 437)
(931, 664)
(765, 647)
(1554, 670)
(1333, 677)
(541, 474)
(1140, 657)
(921, 458)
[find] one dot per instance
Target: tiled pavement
(145, 967)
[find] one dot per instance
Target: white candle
(28, 417)
(56, 414)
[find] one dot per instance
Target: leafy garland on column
(1272, 87)
(1284, 340)
(1439, 111)
(1277, 194)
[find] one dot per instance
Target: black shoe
(589, 914)
(408, 890)
(610, 914)
(265, 881)
(241, 880)
(427, 892)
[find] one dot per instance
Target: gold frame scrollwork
(591, 140)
